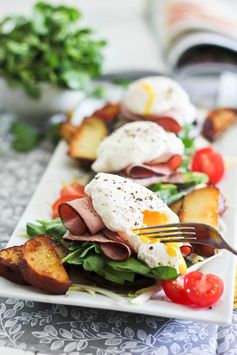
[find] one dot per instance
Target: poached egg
(161, 96)
(124, 206)
(136, 143)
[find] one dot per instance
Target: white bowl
(52, 101)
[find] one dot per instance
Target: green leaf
(50, 47)
(25, 137)
(131, 264)
(164, 273)
(34, 229)
(193, 178)
(99, 92)
(94, 263)
(75, 80)
(54, 228)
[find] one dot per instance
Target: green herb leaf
(25, 137)
(66, 54)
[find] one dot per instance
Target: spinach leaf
(94, 263)
(164, 273)
(131, 264)
(54, 228)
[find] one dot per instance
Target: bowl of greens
(46, 61)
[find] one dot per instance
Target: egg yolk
(152, 218)
(151, 97)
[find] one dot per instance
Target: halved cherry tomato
(174, 290)
(203, 290)
(207, 160)
(195, 289)
(59, 201)
(73, 189)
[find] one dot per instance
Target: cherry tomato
(59, 201)
(186, 250)
(203, 290)
(210, 162)
(73, 189)
(174, 290)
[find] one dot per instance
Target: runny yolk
(151, 97)
(152, 218)
(173, 249)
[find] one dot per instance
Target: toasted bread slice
(41, 266)
(201, 206)
(218, 121)
(9, 264)
(85, 142)
(176, 206)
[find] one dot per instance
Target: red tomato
(203, 290)
(73, 189)
(174, 290)
(210, 162)
(59, 201)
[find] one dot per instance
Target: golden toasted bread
(201, 206)
(218, 121)
(41, 266)
(85, 142)
(9, 264)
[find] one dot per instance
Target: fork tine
(178, 231)
(162, 226)
(181, 236)
(176, 240)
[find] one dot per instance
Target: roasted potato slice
(201, 206)
(85, 142)
(41, 266)
(176, 206)
(218, 121)
(9, 264)
(67, 131)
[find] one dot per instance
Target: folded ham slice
(114, 249)
(141, 171)
(168, 123)
(175, 178)
(79, 216)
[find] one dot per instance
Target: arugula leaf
(67, 55)
(25, 137)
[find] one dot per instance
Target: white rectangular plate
(62, 169)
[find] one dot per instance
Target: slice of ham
(176, 178)
(114, 248)
(141, 171)
(79, 216)
(168, 123)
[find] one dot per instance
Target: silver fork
(198, 233)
